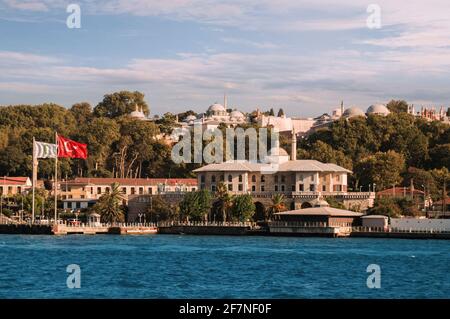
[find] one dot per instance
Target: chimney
(294, 146)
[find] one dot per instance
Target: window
(293, 188)
(202, 178)
(99, 190)
(262, 188)
(337, 178)
(150, 190)
(230, 178)
(107, 189)
(124, 190)
(9, 189)
(324, 188)
(276, 178)
(213, 179)
(312, 188)
(276, 188)
(222, 178)
(240, 187)
(283, 188)
(283, 179)
(1, 189)
(254, 178)
(141, 190)
(213, 188)
(263, 178)
(70, 196)
(82, 197)
(240, 178)
(230, 187)
(19, 189)
(301, 188)
(133, 191)
(253, 188)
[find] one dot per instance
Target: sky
(303, 56)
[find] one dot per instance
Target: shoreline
(26, 229)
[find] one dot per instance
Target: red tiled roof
(399, 191)
(6, 180)
(134, 181)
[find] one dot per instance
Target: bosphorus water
(171, 266)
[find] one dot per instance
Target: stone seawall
(205, 230)
(401, 235)
(26, 229)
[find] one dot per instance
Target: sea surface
(184, 266)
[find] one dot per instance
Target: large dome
(353, 111)
(379, 109)
(216, 107)
(237, 114)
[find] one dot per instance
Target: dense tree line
(118, 145)
(386, 150)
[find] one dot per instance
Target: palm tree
(109, 205)
(277, 205)
(224, 199)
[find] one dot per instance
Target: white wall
(420, 224)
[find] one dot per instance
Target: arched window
(263, 178)
(202, 178)
(230, 178)
(213, 178)
(254, 178)
(240, 178)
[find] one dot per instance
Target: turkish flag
(72, 149)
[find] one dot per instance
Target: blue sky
(304, 56)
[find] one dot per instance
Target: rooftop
(132, 181)
(321, 211)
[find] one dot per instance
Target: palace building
(301, 181)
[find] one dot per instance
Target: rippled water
(169, 266)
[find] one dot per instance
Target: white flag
(45, 150)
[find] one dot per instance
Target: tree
(82, 112)
(323, 152)
(383, 169)
(196, 205)
(224, 200)
(161, 210)
(397, 106)
(243, 208)
(280, 113)
(271, 112)
(109, 205)
(120, 103)
(386, 206)
(440, 156)
(277, 205)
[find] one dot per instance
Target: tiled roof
(133, 181)
(13, 180)
(322, 211)
(447, 202)
(289, 166)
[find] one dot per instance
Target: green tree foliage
(397, 106)
(242, 208)
(196, 206)
(224, 201)
(109, 206)
(386, 207)
(161, 210)
(121, 103)
(323, 152)
(278, 205)
(280, 113)
(383, 169)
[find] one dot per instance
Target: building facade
(83, 192)
(10, 186)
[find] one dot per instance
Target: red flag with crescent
(72, 149)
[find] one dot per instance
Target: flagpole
(56, 179)
(33, 181)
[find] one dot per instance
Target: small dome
(353, 111)
(237, 114)
(137, 115)
(216, 107)
(379, 109)
(278, 152)
(319, 202)
(190, 118)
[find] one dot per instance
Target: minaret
(294, 146)
(225, 101)
(342, 108)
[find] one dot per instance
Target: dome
(379, 109)
(237, 114)
(353, 111)
(319, 202)
(216, 107)
(190, 118)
